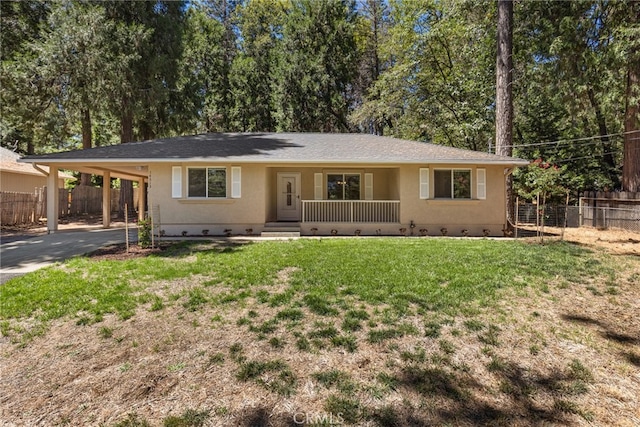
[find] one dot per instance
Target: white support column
(106, 199)
(52, 200)
(142, 196)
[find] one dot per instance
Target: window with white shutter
(236, 187)
(317, 186)
(481, 183)
(176, 182)
(424, 183)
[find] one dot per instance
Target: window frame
(344, 174)
(206, 196)
(452, 192)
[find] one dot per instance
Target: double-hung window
(343, 186)
(209, 182)
(452, 183)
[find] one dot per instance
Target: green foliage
(539, 179)
(144, 233)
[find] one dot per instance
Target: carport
(128, 169)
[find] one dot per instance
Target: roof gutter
(111, 161)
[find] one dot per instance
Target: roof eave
(501, 162)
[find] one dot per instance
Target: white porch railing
(374, 211)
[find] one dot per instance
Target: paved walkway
(19, 255)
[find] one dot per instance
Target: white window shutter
(176, 182)
(368, 186)
(236, 187)
(317, 186)
(424, 183)
(481, 183)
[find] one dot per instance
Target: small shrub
(144, 233)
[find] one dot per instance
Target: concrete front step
(281, 229)
(284, 234)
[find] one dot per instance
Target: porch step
(285, 234)
(281, 229)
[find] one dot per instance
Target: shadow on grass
(453, 403)
(448, 400)
(260, 417)
(606, 331)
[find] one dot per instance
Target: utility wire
(594, 155)
(565, 141)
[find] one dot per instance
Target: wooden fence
(611, 210)
(29, 208)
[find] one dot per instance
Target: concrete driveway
(23, 254)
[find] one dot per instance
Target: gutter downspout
(39, 169)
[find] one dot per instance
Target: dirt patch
(121, 252)
(614, 241)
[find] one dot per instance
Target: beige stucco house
(22, 177)
(322, 184)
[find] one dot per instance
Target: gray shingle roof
(277, 148)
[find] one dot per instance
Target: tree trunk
(504, 95)
(631, 162)
(126, 135)
(85, 178)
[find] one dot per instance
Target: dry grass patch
(219, 352)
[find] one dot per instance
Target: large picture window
(207, 182)
(343, 186)
(452, 183)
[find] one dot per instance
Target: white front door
(288, 196)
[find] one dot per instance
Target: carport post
(52, 200)
(141, 200)
(106, 199)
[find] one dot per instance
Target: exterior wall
(455, 215)
(177, 215)
(23, 183)
(258, 205)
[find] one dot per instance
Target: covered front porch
(333, 195)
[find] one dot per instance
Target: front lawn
(369, 331)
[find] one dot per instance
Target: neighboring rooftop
(278, 147)
(9, 162)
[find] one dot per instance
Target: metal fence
(532, 215)
(549, 215)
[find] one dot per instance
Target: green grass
(427, 274)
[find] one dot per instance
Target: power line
(593, 155)
(565, 141)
